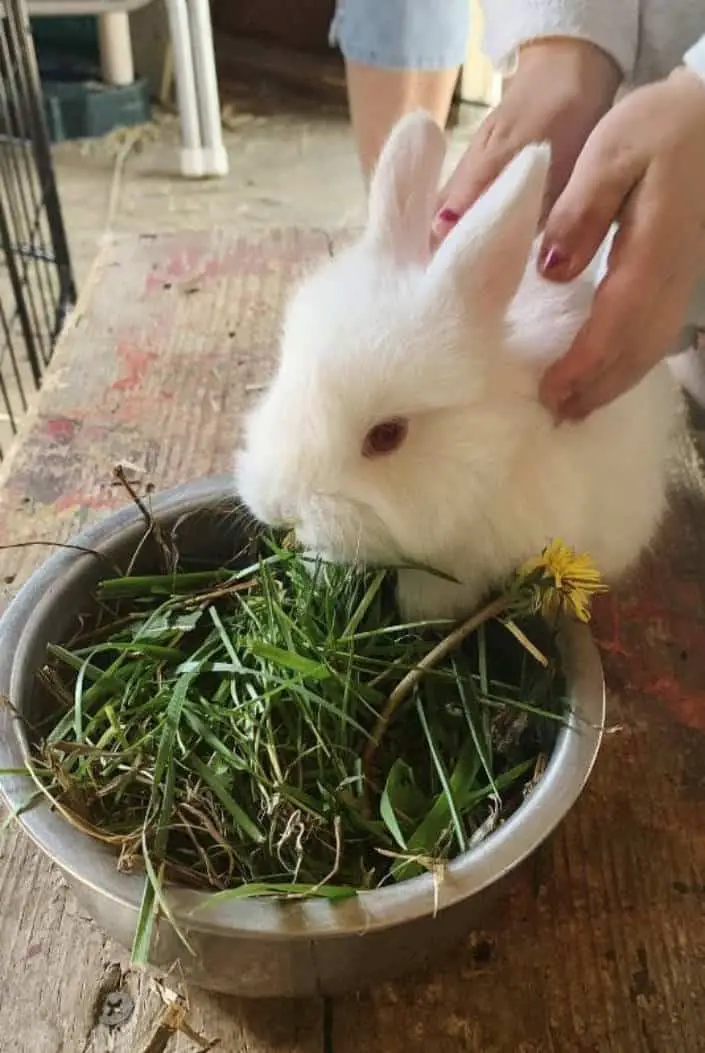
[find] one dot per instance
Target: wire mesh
(36, 281)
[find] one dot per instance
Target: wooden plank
(56, 968)
(599, 944)
(302, 26)
(318, 76)
(154, 373)
(597, 947)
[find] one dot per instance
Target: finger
(634, 360)
(621, 375)
(629, 331)
(639, 305)
(605, 174)
(601, 339)
(486, 157)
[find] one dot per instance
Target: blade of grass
(481, 749)
(279, 890)
(308, 667)
(144, 929)
(442, 775)
(241, 819)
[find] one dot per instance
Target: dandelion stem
(436, 655)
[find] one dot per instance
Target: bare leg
(378, 97)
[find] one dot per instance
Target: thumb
(604, 176)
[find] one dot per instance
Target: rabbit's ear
(486, 254)
(404, 189)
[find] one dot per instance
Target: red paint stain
(686, 706)
(607, 625)
(34, 949)
(61, 429)
(192, 265)
(647, 638)
(184, 265)
(78, 499)
(135, 363)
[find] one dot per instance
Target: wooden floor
(597, 946)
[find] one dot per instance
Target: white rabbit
(403, 423)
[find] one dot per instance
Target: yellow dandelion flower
(562, 580)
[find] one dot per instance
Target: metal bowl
(265, 948)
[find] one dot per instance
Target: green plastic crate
(85, 109)
(77, 104)
(75, 36)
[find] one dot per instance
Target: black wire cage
(36, 280)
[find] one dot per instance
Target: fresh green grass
(221, 729)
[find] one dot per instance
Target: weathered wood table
(597, 946)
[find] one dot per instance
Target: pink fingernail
(448, 215)
(552, 258)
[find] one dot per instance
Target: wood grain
(154, 374)
(598, 946)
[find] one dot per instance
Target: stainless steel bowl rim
(77, 855)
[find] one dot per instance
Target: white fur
(456, 343)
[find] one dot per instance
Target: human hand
(644, 166)
(561, 89)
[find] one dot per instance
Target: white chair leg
(192, 156)
(116, 63)
(214, 153)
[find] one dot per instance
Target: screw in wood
(117, 1008)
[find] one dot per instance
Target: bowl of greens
(244, 760)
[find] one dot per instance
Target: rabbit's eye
(385, 437)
